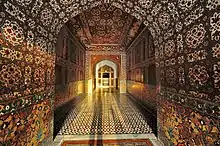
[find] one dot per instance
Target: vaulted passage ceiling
(105, 25)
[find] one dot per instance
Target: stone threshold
(61, 138)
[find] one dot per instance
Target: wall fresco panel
(183, 126)
(28, 126)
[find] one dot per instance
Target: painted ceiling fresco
(105, 25)
(77, 28)
(105, 48)
(134, 30)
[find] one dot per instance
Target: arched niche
(112, 81)
(108, 63)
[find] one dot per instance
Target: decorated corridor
(162, 57)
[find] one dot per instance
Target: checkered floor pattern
(105, 113)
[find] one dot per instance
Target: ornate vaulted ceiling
(105, 27)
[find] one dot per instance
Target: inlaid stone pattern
(105, 24)
(106, 113)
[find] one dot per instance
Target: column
(88, 79)
(123, 73)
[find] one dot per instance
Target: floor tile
(105, 113)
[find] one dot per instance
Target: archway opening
(97, 45)
(106, 75)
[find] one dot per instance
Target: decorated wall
(69, 75)
(189, 75)
(69, 67)
(184, 126)
(26, 87)
(186, 39)
(141, 71)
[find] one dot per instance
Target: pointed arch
(108, 63)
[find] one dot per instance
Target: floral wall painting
(69, 67)
(182, 126)
(185, 38)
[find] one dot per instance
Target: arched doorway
(106, 75)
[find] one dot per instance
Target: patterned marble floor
(105, 112)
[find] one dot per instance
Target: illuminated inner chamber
(105, 77)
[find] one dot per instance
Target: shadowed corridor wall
(70, 67)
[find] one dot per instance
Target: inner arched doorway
(105, 78)
(106, 75)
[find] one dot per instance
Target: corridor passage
(105, 112)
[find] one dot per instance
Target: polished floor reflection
(105, 112)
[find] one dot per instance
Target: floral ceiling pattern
(105, 25)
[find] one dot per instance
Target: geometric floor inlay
(105, 113)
